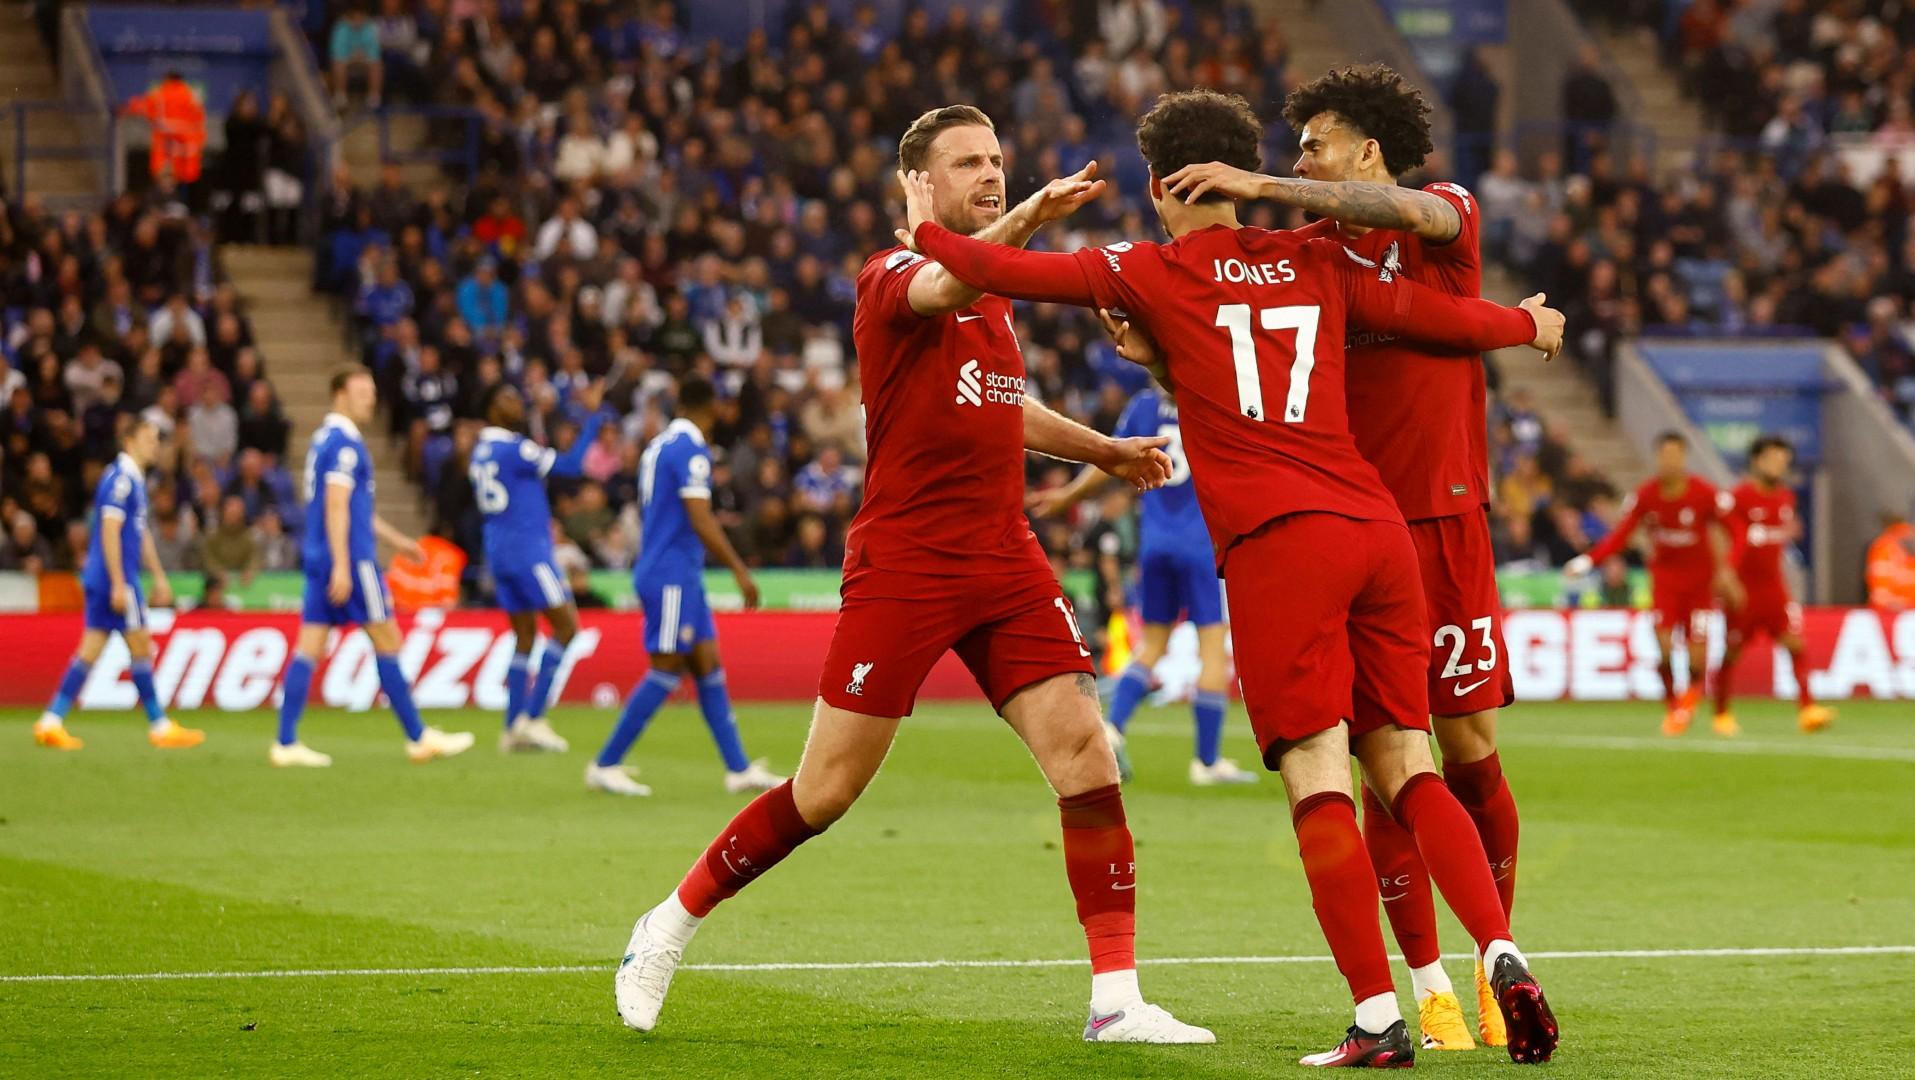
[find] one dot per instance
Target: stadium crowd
(120, 312)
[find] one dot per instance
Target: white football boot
(614, 780)
(1143, 1023)
(538, 735)
(753, 777)
(644, 975)
(1225, 771)
(433, 743)
(298, 756)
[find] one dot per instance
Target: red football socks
(1404, 882)
(1447, 840)
(1484, 793)
(762, 834)
(1343, 890)
(1724, 676)
(1101, 862)
(1800, 661)
(1667, 669)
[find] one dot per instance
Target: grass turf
(123, 859)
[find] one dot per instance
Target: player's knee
(139, 645)
(1464, 739)
(825, 791)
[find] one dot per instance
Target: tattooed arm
(1355, 202)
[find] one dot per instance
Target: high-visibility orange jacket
(1891, 568)
(179, 128)
(431, 583)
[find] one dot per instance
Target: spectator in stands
(1589, 107)
(1891, 565)
(483, 301)
(242, 170)
(212, 426)
(734, 339)
(175, 535)
(231, 547)
(263, 427)
(87, 375)
(277, 550)
(24, 550)
(566, 232)
(253, 484)
(178, 121)
(286, 169)
(199, 376)
(354, 49)
(177, 325)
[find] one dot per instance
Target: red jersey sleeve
(1399, 306)
(1619, 536)
(884, 285)
(1732, 510)
(1003, 270)
(1465, 247)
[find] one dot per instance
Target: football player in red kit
(1420, 416)
(941, 558)
(1760, 516)
(1251, 325)
(1689, 567)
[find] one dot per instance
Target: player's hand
(338, 585)
(592, 395)
(162, 592)
(747, 588)
(920, 205)
(410, 549)
(1135, 345)
(1063, 196)
(1549, 326)
(1194, 181)
(1049, 502)
(1580, 566)
(1139, 462)
(120, 598)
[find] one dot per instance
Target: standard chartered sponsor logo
(975, 387)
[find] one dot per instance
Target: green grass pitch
(120, 859)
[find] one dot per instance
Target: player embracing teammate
(1253, 327)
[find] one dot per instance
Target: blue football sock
(299, 683)
(715, 702)
(1132, 685)
(1209, 707)
(149, 695)
(643, 701)
(549, 661)
(399, 692)
(70, 684)
(515, 687)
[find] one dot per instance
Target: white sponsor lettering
(1538, 653)
(252, 666)
(184, 672)
(1861, 659)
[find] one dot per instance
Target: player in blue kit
(508, 473)
(1177, 580)
(343, 582)
(117, 545)
(678, 528)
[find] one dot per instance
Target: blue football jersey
(337, 458)
(508, 474)
(1170, 516)
(119, 503)
(676, 466)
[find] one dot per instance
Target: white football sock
(1496, 950)
(1377, 1012)
(1111, 991)
(672, 922)
(1430, 979)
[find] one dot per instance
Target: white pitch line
(914, 965)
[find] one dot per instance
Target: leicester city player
(1177, 579)
(678, 528)
(343, 582)
(508, 473)
(115, 604)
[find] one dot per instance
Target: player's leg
(1810, 716)
(1734, 637)
(1697, 639)
(525, 632)
(556, 600)
(1159, 606)
(160, 730)
(1202, 597)
(50, 731)
(1674, 720)
(714, 704)
(296, 687)
(422, 743)
(669, 656)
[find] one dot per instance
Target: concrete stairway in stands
(301, 340)
(1564, 397)
(1314, 46)
(59, 184)
(1677, 121)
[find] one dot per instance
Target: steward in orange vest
(179, 127)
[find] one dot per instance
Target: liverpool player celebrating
(1688, 566)
(1760, 517)
(1419, 415)
(940, 558)
(1252, 324)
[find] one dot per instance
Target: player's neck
(1674, 485)
(1764, 485)
(1180, 218)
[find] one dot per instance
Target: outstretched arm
(1006, 271)
(1464, 323)
(935, 290)
(1353, 202)
(1138, 461)
(1609, 545)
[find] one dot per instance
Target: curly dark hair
(1376, 101)
(1191, 127)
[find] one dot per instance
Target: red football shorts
(1682, 603)
(1012, 630)
(1468, 668)
(1768, 610)
(1338, 629)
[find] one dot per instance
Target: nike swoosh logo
(727, 857)
(1461, 690)
(1116, 887)
(1398, 896)
(1102, 1022)
(968, 318)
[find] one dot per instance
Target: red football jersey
(944, 422)
(1761, 524)
(1678, 528)
(1420, 413)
